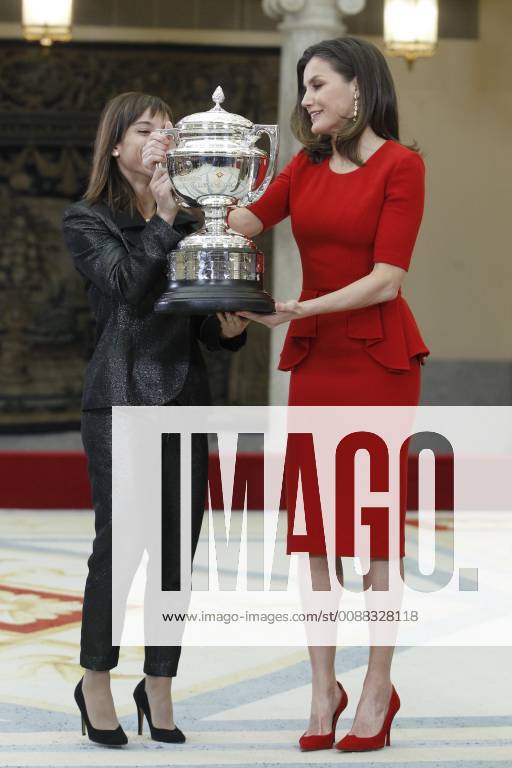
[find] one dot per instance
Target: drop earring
(356, 108)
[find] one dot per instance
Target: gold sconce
(410, 28)
(47, 20)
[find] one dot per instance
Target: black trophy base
(198, 297)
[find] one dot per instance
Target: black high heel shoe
(174, 736)
(109, 738)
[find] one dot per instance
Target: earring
(356, 107)
(115, 153)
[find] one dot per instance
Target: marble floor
(238, 706)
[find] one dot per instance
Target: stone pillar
(303, 22)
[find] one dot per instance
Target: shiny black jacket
(140, 357)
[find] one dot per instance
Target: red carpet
(32, 480)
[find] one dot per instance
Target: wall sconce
(47, 20)
(410, 28)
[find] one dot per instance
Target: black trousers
(97, 652)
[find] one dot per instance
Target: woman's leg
(161, 662)
(325, 692)
(97, 654)
(374, 701)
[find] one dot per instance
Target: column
(302, 23)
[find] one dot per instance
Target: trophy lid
(215, 120)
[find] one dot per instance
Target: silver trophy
(215, 165)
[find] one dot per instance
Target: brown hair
(106, 182)
(349, 57)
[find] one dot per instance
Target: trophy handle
(185, 202)
(172, 132)
(272, 132)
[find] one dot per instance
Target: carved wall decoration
(49, 107)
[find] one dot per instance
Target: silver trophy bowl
(216, 165)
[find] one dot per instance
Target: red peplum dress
(343, 224)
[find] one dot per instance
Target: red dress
(343, 224)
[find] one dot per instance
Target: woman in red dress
(355, 198)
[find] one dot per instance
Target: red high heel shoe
(324, 740)
(351, 743)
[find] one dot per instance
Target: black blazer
(140, 357)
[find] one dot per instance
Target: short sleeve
(402, 212)
(274, 205)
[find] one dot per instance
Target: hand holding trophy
(215, 164)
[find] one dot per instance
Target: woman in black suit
(118, 236)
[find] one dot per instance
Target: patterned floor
(238, 706)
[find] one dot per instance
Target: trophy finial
(218, 97)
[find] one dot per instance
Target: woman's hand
(231, 325)
(155, 148)
(245, 222)
(285, 311)
(160, 186)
